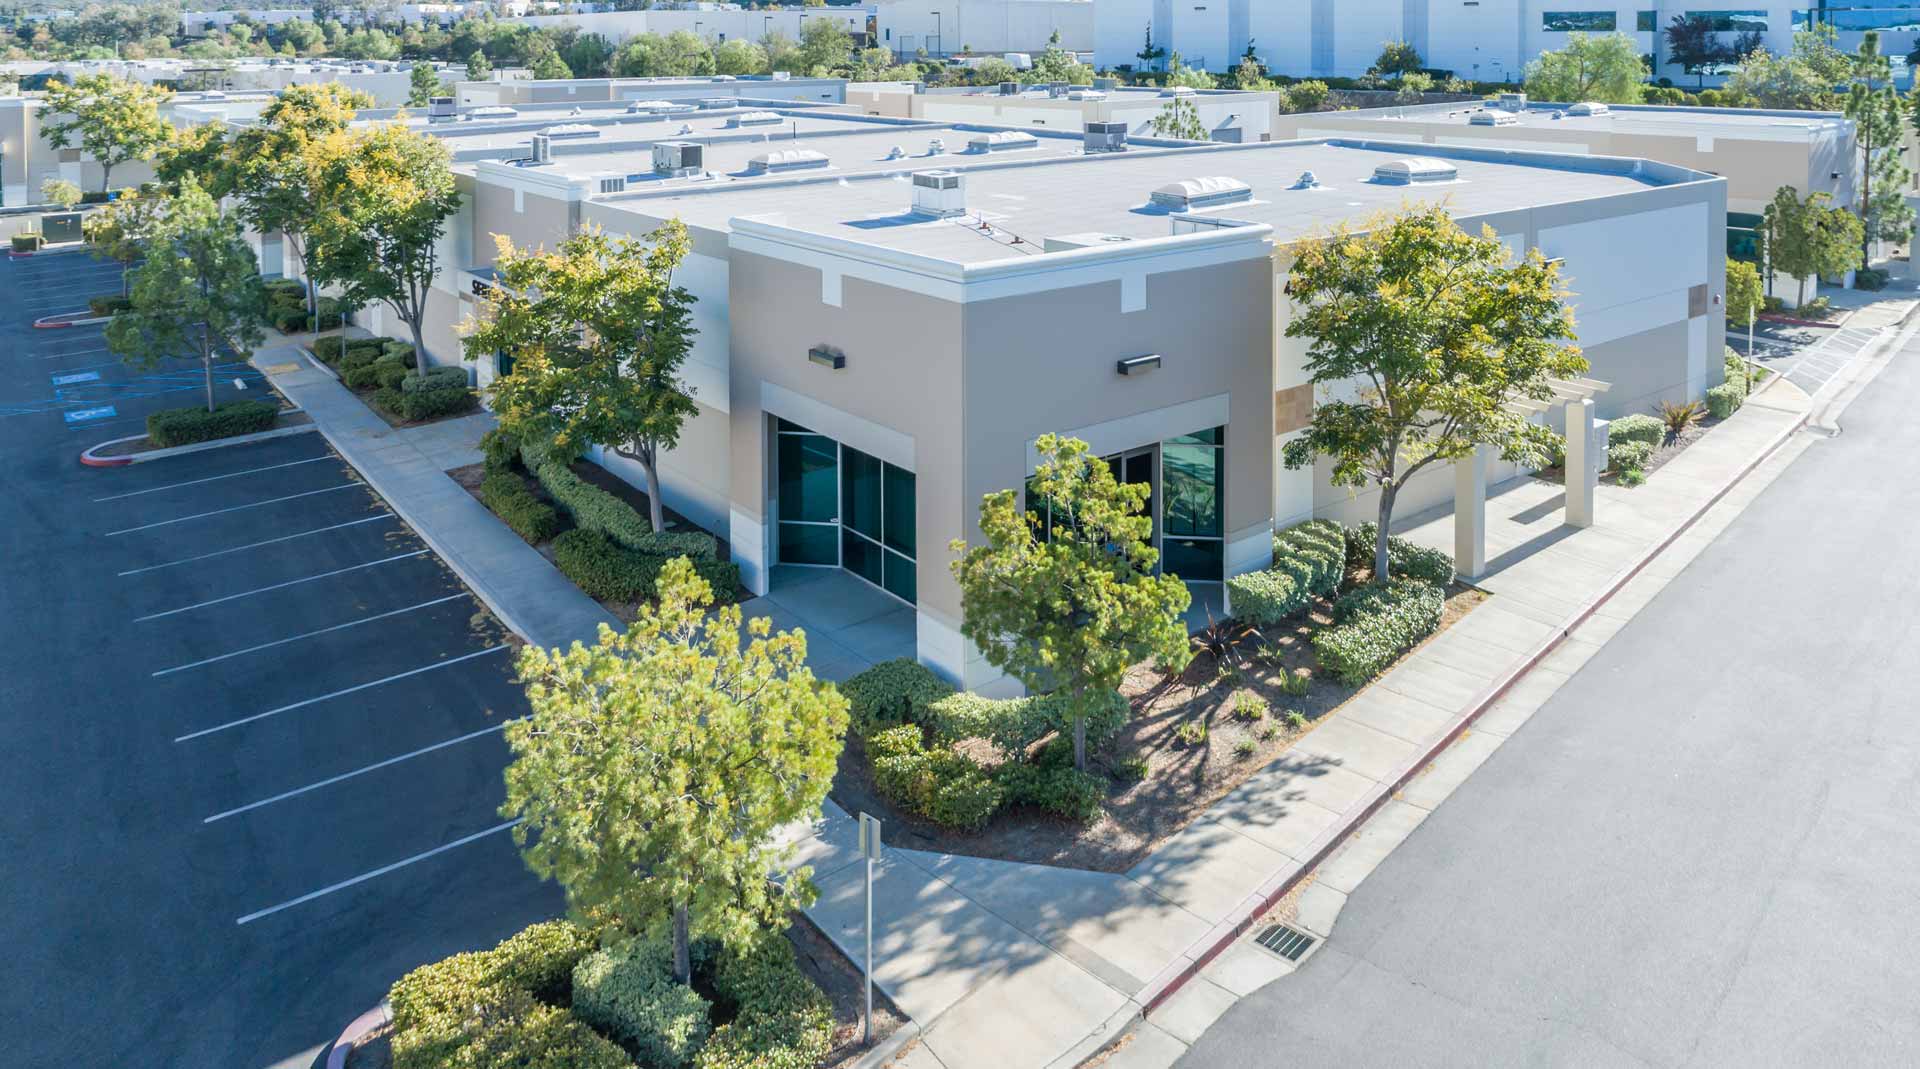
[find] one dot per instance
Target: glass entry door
(841, 508)
(1141, 467)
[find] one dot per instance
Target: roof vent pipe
(936, 146)
(1307, 180)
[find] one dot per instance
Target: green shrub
(356, 359)
(375, 347)
(361, 377)
(401, 349)
(597, 510)
(434, 1006)
(948, 788)
(1374, 625)
(628, 994)
(606, 570)
(185, 426)
(1314, 554)
(1132, 769)
(1249, 706)
(1059, 789)
(1638, 427)
(783, 1022)
(507, 495)
(27, 242)
(108, 305)
(413, 405)
(389, 371)
(1629, 456)
(1191, 732)
(498, 450)
(525, 1034)
(1405, 560)
(436, 378)
(1264, 597)
(1869, 278)
(1013, 725)
(287, 320)
(1725, 399)
(892, 692)
(329, 348)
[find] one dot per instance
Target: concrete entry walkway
(851, 625)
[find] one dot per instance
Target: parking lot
(256, 725)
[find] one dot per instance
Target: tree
(60, 192)
(198, 285)
(1604, 67)
(422, 85)
(1442, 331)
(478, 69)
(1693, 44)
(120, 229)
(1056, 64)
(1804, 79)
(599, 332)
(1397, 57)
(113, 121)
(992, 71)
(273, 163)
(1251, 76)
(1068, 605)
(383, 196)
(1179, 118)
(1150, 53)
(658, 764)
(739, 57)
(1878, 113)
(1178, 73)
(201, 153)
(823, 46)
(1745, 293)
(1809, 238)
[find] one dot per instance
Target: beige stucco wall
(527, 219)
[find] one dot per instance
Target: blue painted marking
(84, 376)
(83, 415)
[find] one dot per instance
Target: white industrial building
(1483, 40)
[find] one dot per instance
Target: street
(1702, 851)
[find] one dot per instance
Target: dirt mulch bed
(470, 477)
(1183, 779)
(823, 963)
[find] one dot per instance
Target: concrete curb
(57, 320)
(374, 1018)
(1223, 935)
(90, 460)
(888, 1047)
(1795, 322)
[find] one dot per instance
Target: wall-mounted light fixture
(828, 358)
(1139, 365)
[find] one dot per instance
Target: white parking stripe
(280, 586)
(217, 478)
(375, 767)
(236, 508)
(302, 704)
(381, 871)
(310, 634)
(256, 545)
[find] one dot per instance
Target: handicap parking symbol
(84, 415)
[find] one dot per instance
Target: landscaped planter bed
(1275, 671)
(443, 391)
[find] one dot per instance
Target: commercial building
(905, 27)
(1230, 115)
(516, 92)
(387, 82)
(1482, 40)
(891, 313)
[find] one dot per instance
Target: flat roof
(501, 138)
(1054, 198)
(1623, 118)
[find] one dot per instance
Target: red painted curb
(1793, 321)
(354, 1032)
(105, 462)
(1227, 932)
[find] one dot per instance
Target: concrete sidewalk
(408, 467)
(1006, 965)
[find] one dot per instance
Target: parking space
(1808, 356)
(265, 727)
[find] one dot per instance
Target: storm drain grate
(1287, 942)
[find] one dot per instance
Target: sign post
(870, 851)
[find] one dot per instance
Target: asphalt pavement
(255, 726)
(1702, 851)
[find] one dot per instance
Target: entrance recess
(841, 508)
(1184, 480)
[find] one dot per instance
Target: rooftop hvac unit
(1588, 107)
(939, 193)
(1493, 117)
(1008, 89)
(613, 183)
(442, 109)
(1105, 84)
(1002, 141)
(1191, 193)
(710, 103)
(1106, 137)
(786, 159)
(1415, 170)
(756, 118)
(676, 159)
(542, 149)
(1086, 94)
(1511, 101)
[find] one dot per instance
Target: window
(840, 507)
(1646, 21)
(1861, 15)
(1193, 544)
(1732, 21)
(1583, 21)
(809, 489)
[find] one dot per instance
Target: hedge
(524, 1034)
(1725, 399)
(1638, 427)
(1629, 456)
(434, 1006)
(1059, 789)
(628, 993)
(594, 509)
(497, 450)
(27, 242)
(425, 404)
(609, 571)
(436, 378)
(329, 348)
(946, 787)
(389, 371)
(358, 376)
(1309, 559)
(510, 499)
(1013, 725)
(108, 305)
(1405, 560)
(784, 1020)
(1374, 625)
(892, 693)
(1264, 597)
(185, 426)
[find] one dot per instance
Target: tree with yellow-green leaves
(658, 763)
(382, 196)
(110, 119)
(120, 229)
(1442, 330)
(272, 164)
(1064, 598)
(599, 332)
